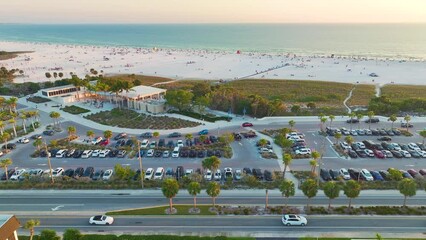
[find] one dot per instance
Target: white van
(87, 153)
(175, 152)
(159, 173)
(61, 153)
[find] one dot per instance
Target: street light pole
(49, 163)
(140, 162)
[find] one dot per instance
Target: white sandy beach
(198, 64)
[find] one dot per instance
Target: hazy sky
(212, 11)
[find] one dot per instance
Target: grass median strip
(161, 210)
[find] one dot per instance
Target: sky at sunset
(213, 11)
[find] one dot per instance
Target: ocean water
(397, 41)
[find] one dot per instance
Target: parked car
(36, 136)
(121, 153)
(294, 220)
(366, 175)
(405, 153)
(49, 132)
(217, 175)
(89, 172)
(387, 153)
(9, 146)
(78, 172)
(208, 175)
(353, 120)
(149, 174)
(379, 154)
(203, 132)
(227, 172)
(369, 153)
(257, 172)
(159, 173)
(98, 175)
(120, 136)
(268, 176)
(96, 152)
(404, 125)
(87, 153)
(166, 154)
(376, 175)
(169, 173)
(405, 174)
(58, 172)
(17, 174)
(104, 153)
(175, 135)
(396, 153)
(179, 172)
(97, 140)
(247, 171)
(372, 120)
(414, 146)
(23, 140)
(303, 151)
(361, 153)
(238, 174)
(385, 174)
(104, 143)
(385, 138)
(325, 175)
(147, 135)
(107, 174)
(334, 174)
(69, 172)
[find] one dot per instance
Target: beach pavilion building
(141, 98)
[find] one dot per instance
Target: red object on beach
(247, 124)
(238, 52)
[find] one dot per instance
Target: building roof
(143, 91)
(8, 224)
(58, 88)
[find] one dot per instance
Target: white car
(189, 171)
(35, 172)
(303, 151)
(96, 152)
(354, 133)
(107, 174)
(15, 176)
(149, 173)
(86, 154)
(395, 146)
(414, 147)
(101, 220)
(369, 152)
(422, 153)
(144, 143)
(153, 144)
(104, 153)
(406, 154)
(360, 145)
(58, 172)
(159, 173)
(208, 175)
(345, 174)
(368, 132)
(97, 140)
(23, 140)
(367, 175)
(179, 143)
(217, 175)
(150, 153)
(61, 153)
(238, 174)
(166, 154)
(227, 172)
(345, 146)
(265, 150)
(294, 220)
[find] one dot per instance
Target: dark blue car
(203, 132)
(376, 175)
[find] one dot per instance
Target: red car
(104, 142)
(247, 124)
(379, 154)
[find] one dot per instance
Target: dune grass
(402, 92)
(9, 55)
(362, 95)
(144, 80)
(181, 210)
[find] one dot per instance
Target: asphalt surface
(75, 201)
(246, 225)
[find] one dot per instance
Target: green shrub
(75, 110)
(72, 234)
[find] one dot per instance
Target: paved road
(106, 201)
(245, 225)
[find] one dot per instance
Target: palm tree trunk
(14, 129)
(25, 127)
(350, 201)
(285, 169)
(329, 203)
(286, 201)
(214, 202)
(307, 205)
(171, 205)
(405, 200)
(195, 202)
(5, 171)
(31, 233)
(1, 131)
(392, 125)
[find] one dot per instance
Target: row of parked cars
(369, 148)
(368, 175)
(89, 172)
(363, 132)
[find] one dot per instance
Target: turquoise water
(386, 40)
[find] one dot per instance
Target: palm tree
(332, 191)
(331, 117)
(315, 155)
(127, 87)
(103, 87)
(116, 88)
(108, 134)
(55, 116)
(393, 119)
(407, 120)
(287, 189)
(194, 188)
(4, 163)
(140, 159)
(287, 159)
(370, 115)
(49, 163)
(23, 115)
(203, 138)
(30, 225)
(212, 163)
(38, 143)
(323, 120)
(77, 82)
(90, 134)
(13, 122)
(213, 190)
(291, 123)
(188, 136)
(352, 115)
(263, 142)
(71, 131)
(156, 134)
(170, 189)
(12, 102)
(337, 136)
(359, 116)
(313, 163)
(5, 137)
(2, 125)
(349, 140)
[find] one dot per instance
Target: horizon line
(210, 23)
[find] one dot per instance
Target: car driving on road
(101, 220)
(294, 220)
